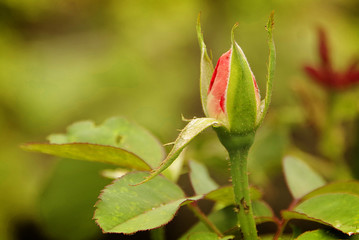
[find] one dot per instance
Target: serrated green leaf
(301, 179)
(90, 152)
(193, 128)
(116, 141)
(225, 196)
(351, 187)
(201, 182)
(61, 200)
(136, 139)
(206, 68)
(339, 210)
(116, 132)
(124, 208)
(319, 234)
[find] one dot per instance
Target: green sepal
(270, 71)
(193, 128)
(241, 104)
(206, 68)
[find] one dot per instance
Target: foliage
(128, 207)
(66, 61)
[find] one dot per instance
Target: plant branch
(238, 159)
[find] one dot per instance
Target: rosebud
(229, 91)
(230, 94)
(233, 95)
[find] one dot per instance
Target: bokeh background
(66, 61)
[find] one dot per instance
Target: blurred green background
(65, 61)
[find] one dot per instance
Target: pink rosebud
(229, 91)
(218, 89)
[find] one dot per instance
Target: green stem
(238, 159)
(204, 219)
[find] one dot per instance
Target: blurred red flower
(325, 75)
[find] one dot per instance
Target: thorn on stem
(168, 144)
(237, 208)
(244, 204)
